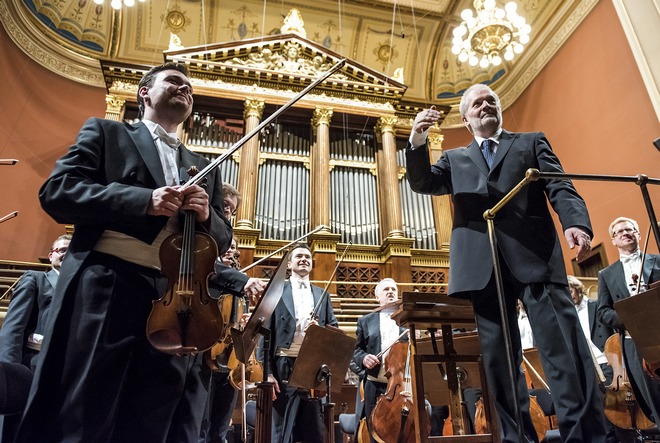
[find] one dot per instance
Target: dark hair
(301, 246)
(148, 80)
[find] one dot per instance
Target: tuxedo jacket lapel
(649, 262)
(620, 279)
(51, 276)
(503, 146)
(145, 145)
(287, 298)
(475, 154)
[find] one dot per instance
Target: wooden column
(396, 248)
(248, 169)
(441, 203)
(388, 179)
(320, 175)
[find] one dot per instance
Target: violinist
(296, 417)
(621, 280)
(98, 378)
(597, 334)
(222, 395)
(375, 332)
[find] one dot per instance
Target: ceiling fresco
(408, 41)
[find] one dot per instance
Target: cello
(390, 419)
(186, 319)
(621, 407)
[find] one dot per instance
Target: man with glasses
(24, 325)
(622, 279)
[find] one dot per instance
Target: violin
(621, 407)
(391, 420)
(221, 357)
(186, 318)
(247, 375)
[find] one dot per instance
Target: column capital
(435, 141)
(253, 108)
(386, 123)
(114, 106)
(322, 116)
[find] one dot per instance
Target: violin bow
(318, 228)
(381, 353)
(215, 163)
(315, 312)
(641, 270)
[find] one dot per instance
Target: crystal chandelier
(490, 33)
(117, 4)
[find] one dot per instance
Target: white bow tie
(625, 259)
(170, 140)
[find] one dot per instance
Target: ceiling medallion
(490, 34)
(175, 19)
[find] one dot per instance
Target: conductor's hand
(276, 386)
(165, 201)
(196, 199)
(370, 360)
(253, 289)
(577, 237)
(425, 119)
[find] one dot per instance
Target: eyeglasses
(620, 232)
(229, 209)
(60, 251)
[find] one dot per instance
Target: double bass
(391, 420)
(186, 319)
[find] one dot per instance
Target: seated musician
(621, 280)
(375, 333)
(295, 416)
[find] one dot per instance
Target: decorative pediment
(285, 62)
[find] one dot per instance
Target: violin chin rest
(169, 342)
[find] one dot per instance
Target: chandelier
(490, 33)
(117, 4)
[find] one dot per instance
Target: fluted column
(320, 177)
(388, 170)
(114, 107)
(249, 165)
(441, 203)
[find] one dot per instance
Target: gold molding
(46, 51)
(517, 80)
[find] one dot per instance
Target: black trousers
(99, 379)
(564, 355)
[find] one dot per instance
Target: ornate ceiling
(408, 40)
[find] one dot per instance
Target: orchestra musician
(619, 281)
(375, 332)
(226, 280)
(597, 334)
(25, 322)
(295, 417)
(477, 177)
(98, 378)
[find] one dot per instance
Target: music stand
(315, 366)
(246, 340)
(637, 313)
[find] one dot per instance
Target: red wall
(40, 116)
(592, 105)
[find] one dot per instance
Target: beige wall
(589, 100)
